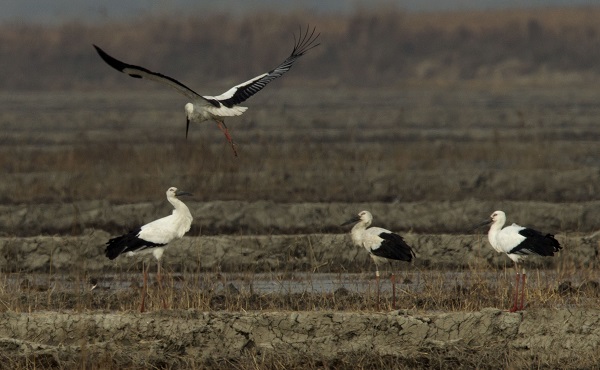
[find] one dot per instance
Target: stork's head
(498, 217)
(189, 110)
(189, 113)
(363, 216)
(172, 192)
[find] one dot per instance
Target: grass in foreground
(416, 291)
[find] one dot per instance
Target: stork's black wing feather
(536, 243)
(141, 72)
(393, 247)
(243, 91)
(129, 242)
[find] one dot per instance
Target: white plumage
(154, 236)
(382, 245)
(518, 242)
(206, 107)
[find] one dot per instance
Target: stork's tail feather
(236, 110)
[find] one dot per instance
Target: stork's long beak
(481, 224)
(187, 126)
(180, 193)
(351, 221)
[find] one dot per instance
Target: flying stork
(154, 236)
(216, 108)
(382, 245)
(518, 242)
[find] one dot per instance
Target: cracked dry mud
(548, 338)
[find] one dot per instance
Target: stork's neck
(358, 230)
(180, 208)
(494, 230)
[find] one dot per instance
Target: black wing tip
(409, 253)
(117, 245)
(538, 244)
(397, 249)
(402, 255)
(555, 244)
(112, 254)
(305, 41)
(115, 63)
(100, 52)
(113, 248)
(121, 244)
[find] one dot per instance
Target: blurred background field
(406, 110)
(431, 119)
(388, 93)
(434, 119)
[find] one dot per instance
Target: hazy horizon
(31, 11)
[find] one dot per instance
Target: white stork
(382, 245)
(518, 242)
(154, 236)
(204, 107)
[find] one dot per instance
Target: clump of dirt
(490, 338)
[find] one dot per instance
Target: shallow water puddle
(290, 283)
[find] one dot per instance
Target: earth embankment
(561, 338)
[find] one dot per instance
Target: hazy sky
(94, 10)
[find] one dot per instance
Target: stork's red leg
(160, 285)
(158, 276)
(523, 291)
(393, 291)
(144, 289)
(225, 131)
(516, 294)
(377, 282)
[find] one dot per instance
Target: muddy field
(267, 278)
(182, 339)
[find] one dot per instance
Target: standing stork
(154, 236)
(518, 242)
(216, 108)
(382, 245)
